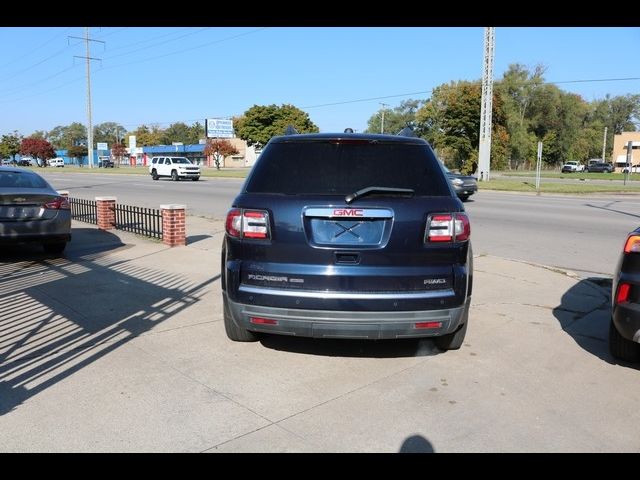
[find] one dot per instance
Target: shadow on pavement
(351, 348)
(60, 314)
(191, 239)
(585, 313)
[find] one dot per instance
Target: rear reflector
(262, 321)
(623, 293)
(428, 325)
(632, 245)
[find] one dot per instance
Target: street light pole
(384, 105)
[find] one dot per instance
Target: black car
(464, 185)
(347, 236)
(106, 164)
(600, 167)
(624, 331)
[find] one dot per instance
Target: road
(579, 233)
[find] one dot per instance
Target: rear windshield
(21, 180)
(330, 168)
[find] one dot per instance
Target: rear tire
(174, 175)
(154, 174)
(234, 332)
(622, 348)
(464, 198)
(54, 248)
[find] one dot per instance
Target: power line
(155, 44)
(186, 49)
(32, 50)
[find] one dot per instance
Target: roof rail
(290, 130)
(406, 132)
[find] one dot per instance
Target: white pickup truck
(572, 166)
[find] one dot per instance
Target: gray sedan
(31, 211)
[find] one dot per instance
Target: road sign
(219, 128)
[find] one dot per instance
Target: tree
(118, 151)
(395, 119)
(261, 122)
(38, 148)
(196, 132)
(10, 145)
(219, 148)
(146, 136)
(108, 132)
(39, 134)
(177, 132)
(450, 121)
(77, 152)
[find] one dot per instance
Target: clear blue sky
(169, 74)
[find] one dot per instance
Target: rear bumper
(373, 325)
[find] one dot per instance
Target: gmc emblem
(348, 212)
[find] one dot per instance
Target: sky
(338, 75)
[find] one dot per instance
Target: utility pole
(484, 150)
(384, 105)
(604, 143)
(90, 125)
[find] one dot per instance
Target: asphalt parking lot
(120, 346)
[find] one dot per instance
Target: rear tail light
(448, 227)
(58, 203)
(248, 224)
(624, 289)
(633, 244)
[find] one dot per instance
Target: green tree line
(525, 110)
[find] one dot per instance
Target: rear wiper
(365, 191)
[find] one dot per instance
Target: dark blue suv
(347, 236)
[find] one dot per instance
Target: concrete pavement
(120, 346)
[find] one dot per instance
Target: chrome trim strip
(346, 295)
(344, 213)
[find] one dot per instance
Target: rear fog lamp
(428, 325)
(262, 321)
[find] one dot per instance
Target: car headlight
(457, 182)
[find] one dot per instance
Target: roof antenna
(290, 130)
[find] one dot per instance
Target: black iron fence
(139, 220)
(84, 210)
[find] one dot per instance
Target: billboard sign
(219, 127)
(132, 141)
(103, 146)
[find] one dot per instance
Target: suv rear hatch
(312, 242)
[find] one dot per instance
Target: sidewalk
(120, 346)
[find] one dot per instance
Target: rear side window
(336, 168)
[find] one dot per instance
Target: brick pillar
(106, 212)
(173, 225)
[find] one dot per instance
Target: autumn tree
(220, 149)
(10, 145)
(118, 151)
(147, 136)
(38, 148)
(261, 122)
